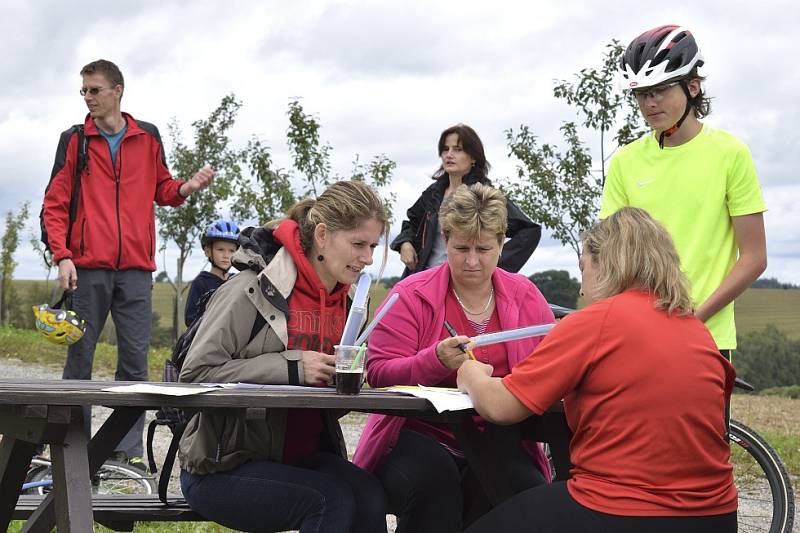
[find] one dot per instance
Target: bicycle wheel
(112, 478)
(766, 500)
(120, 478)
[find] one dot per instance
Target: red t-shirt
(644, 393)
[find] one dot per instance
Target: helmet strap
(670, 131)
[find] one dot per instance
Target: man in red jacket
(110, 244)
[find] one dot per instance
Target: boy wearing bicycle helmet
(219, 242)
(699, 182)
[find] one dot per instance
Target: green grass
(758, 307)
(30, 347)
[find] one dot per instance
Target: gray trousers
(127, 294)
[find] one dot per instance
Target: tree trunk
(176, 311)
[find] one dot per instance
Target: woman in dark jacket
(420, 241)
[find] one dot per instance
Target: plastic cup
(349, 368)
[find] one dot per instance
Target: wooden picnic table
(51, 412)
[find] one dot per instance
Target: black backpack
(80, 164)
(172, 417)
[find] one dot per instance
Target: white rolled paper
(512, 334)
(358, 311)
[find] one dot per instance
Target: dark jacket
(422, 225)
(115, 223)
(204, 282)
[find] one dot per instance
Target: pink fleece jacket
(402, 348)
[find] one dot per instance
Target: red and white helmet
(663, 54)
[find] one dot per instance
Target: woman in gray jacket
(277, 323)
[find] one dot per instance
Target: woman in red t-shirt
(644, 391)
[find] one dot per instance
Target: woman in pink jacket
(420, 464)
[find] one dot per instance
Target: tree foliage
(10, 242)
(558, 287)
(561, 188)
(247, 182)
(767, 358)
(184, 225)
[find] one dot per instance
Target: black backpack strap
(169, 460)
(151, 461)
(258, 325)
(80, 164)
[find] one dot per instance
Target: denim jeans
(324, 494)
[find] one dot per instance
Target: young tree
(183, 226)
(247, 181)
(562, 189)
(10, 242)
(311, 158)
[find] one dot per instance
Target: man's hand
(408, 255)
(449, 352)
(199, 181)
(318, 368)
(67, 275)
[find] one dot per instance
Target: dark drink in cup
(348, 381)
(349, 368)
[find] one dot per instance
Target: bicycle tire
(113, 477)
(766, 499)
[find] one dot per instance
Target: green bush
(558, 287)
(768, 358)
(792, 391)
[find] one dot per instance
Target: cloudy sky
(387, 77)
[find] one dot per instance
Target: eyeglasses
(655, 93)
(94, 91)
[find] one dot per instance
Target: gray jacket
(220, 353)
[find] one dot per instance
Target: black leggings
(423, 484)
(551, 509)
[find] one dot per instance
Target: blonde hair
(343, 206)
(633, 251)
(473, 209)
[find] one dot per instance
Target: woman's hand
(318, 368)
(449, 352)
(471, 370)
(408, 255)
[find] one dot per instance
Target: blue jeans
(325, 493)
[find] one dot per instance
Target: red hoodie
(316, 322)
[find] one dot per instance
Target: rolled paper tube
(512, 334)
(385, 309)
(358, 311)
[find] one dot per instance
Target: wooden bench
(120, 512)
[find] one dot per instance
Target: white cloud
(386, 77)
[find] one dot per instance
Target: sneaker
(134, 461)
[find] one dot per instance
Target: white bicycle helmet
(657, 56)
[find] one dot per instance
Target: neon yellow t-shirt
(693, 190)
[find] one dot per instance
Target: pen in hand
(462, 346)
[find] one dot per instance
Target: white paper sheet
(443, 399)
(159, 389)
